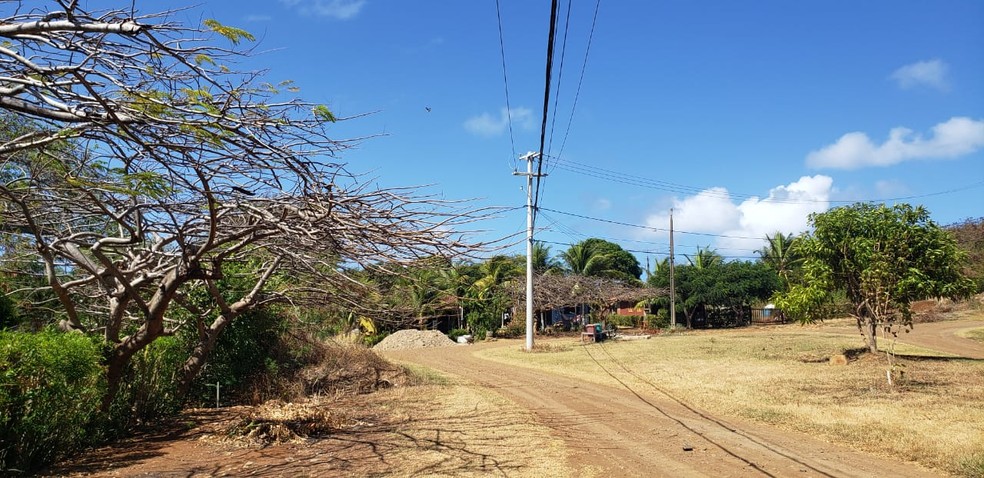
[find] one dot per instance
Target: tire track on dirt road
(619, 431)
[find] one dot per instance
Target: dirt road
(625, 432)
(942, 336)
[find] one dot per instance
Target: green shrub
(373, 339)
(481, 334)
(149, 388)
(51, 385)
(624, 320)
(513, 329)
(455, 333)
(241, 360)
(659, 321)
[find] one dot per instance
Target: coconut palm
(781, 254)
(542, 262)
(584, 259)
(704, 258)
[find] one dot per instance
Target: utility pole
(672, 285)
(529, 157)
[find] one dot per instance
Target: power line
(650, 228)
(655, 253)
(571, 232)
(577, 93)
(633, 180)
(505, 83)
(551, 39)
(560, 75)
(560, 78)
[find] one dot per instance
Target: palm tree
(584, 259)
(494, 272)
(782, 255)
(704, 258)
(452, 285)
(422, 295)
(542, 262)
(488, 295)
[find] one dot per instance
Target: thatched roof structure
(555, 290)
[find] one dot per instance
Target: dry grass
(974, 334)
(934, 414)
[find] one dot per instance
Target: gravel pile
(414, 339)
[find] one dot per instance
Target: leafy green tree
(883, 257)
(724, 289)
(489, 293)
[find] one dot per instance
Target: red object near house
(636, 311)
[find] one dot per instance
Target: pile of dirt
(414, 339)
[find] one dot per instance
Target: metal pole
(529, 247)
(529, 251)
(217, 386)
(672, 284)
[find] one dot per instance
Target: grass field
(934, 414)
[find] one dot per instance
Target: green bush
(659, 321)
(455, 333)
(250, 351)
(481, 334)
(373, 339)
(515, 328)
(51, 385)
(481, 322)
(624, 320)
(149, 388)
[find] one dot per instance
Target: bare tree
(143, 164)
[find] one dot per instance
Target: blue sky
(742, 116)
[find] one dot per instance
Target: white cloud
(712, 211)
(488, 125)
(338, 9)
(930, 73)
(957, 137)
(786, 209)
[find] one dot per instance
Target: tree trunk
(120, 357)
(199, 355)
(115, 365)
(869, 329)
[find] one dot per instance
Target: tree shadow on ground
(374, 443)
